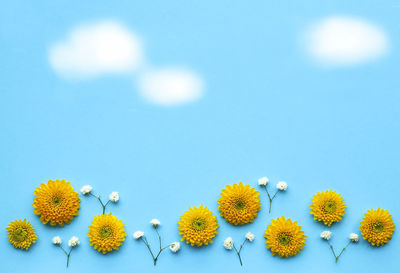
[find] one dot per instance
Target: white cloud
(95, 49)
(342, 41)
(170, 86)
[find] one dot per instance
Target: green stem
(101, 202)
(238, 253)
(270, 198)
(341, 252)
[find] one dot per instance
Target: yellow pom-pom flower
(21, 234)
(328, 206)
(377, 227)
(198, 226)
(56, 202)
(106, 233)
(239, 204)
(284, 237)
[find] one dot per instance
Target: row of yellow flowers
(57, 203)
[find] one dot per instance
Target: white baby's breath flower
(114, 196)
(138, 234)
(263, 181)
(155, 222)
(282, 186)
(175, 246)
(74, 241)
(250, 236)
(353, 237)
(57, 240)
(326, 235)
(86, 189)
(228, 243)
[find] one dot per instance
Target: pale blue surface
(267, 111)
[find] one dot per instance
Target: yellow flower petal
(328, 207)
(21, 234)
(377, 227)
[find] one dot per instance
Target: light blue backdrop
(267, 111)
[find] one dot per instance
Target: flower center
(240, 204)
(199, 224)
(20, 234)
(105, 232)
(330, 206)
(377, 227)
(56, 201)
(284, 239)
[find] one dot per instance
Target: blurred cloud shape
(95, 49)
(170, 86)
(345, 41)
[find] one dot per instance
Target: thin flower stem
(341, 252)
(270, 198)
(148, 246)
(101, 202)
(333, 251)
(66, 253)
(238, 253)
(159, 237)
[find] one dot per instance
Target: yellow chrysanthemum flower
(239, 204)
(106, 233)
(284, 237)
(198, 226)
(377, 227)
(21, 234)
(56, 202)
(328, 206)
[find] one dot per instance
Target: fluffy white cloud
(94, 49)
(341, 41)
(170, 86)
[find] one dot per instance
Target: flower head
(250, 236)
(228, 243)
(74, 241)
(114, 196)
(198, 226)
(239, 204)
(155, 222)
(175, 246)
(328, 206)
(21, 234)
(57, 240)
(326, 235)
(56, 202)
(353, 237)
(284, 237)
(86, 189)
(138, 234)
(282, 186)
(377, 227)
(106, 233)
(263, 181)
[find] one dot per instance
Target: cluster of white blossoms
(74, 241)
(114, 196)
(86, 189)
(326, 235)
(263, 181)
(57, 240)
(353, 237)
(282, 186)
(250, 236)
(138, 234)
(175, 246)
(228, 243)
(155, 222)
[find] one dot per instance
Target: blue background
(267, 110)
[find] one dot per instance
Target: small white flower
(57, 240)
(138, 234)
(326, 235)
(114, 196)
(86, 189)
(250, 236)
(282, 186)
(155, 222)
(228, 243)
(74, 241)
(175, 246)
(263, 181)
(353, 237)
